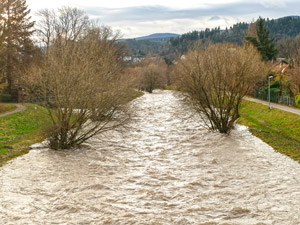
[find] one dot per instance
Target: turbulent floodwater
(167, 169)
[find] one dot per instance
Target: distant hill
(280, 28)
(163, 36)
(292, 17)
(170, 44)
(148, 44)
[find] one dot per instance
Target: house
(280, 65)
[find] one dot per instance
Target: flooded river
(166, 169)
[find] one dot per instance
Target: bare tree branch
(216, 79)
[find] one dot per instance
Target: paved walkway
(274, 105)
(19, 108)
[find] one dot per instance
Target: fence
(286, 100)
(264, 96)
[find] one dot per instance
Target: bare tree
(293, 73)
(252, 29)
(45, 27)
(134, 74)
(289, 49)
(66, 23)
(154, 74)
(215, 81)
(80, 80)
(294, 79)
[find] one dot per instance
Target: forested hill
(162, 37)
(148, 44)
(279, 28)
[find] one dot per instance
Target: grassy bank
(20, 130)
(133, 94)
(6, 107)
(278, 128)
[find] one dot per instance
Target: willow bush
(215, 80)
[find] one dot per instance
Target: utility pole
(269, 91)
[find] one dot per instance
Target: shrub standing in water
(215, 81)
(79, 79)
(153, 74)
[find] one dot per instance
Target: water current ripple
(166, 169)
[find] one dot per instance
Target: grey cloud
(151, 13)
(139, 21)
(215, 18)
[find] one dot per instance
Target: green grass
(280, 129)
(170, 88)
(20, 130)
(6, 107)
(133, 94)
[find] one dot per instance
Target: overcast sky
(136, 18)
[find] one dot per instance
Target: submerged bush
(80, 79)
(215, 81)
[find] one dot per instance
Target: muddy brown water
(166, 169)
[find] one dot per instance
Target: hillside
(158, 36)
(279, 28)
(169, 44)
(148, 44)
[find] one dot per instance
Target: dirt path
(19, 108)
(274, 105)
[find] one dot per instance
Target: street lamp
(269, 91)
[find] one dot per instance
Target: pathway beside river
(19, 108)
(275, 105)
(165, 169)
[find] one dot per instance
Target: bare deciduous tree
(154, 74)
(289, 49)
(293, 76)
(67, 23)
(80, 79)
(216, 79)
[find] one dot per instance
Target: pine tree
(263, 42)
(15, 40)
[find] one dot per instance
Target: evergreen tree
(16, 30)
(263, 42)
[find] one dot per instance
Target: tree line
(279, 29)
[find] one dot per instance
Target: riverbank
(280, 129)
(6, 107)
(165, 169)
(19, 131)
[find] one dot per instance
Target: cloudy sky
(136, 18)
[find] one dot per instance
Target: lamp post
(269, 91)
